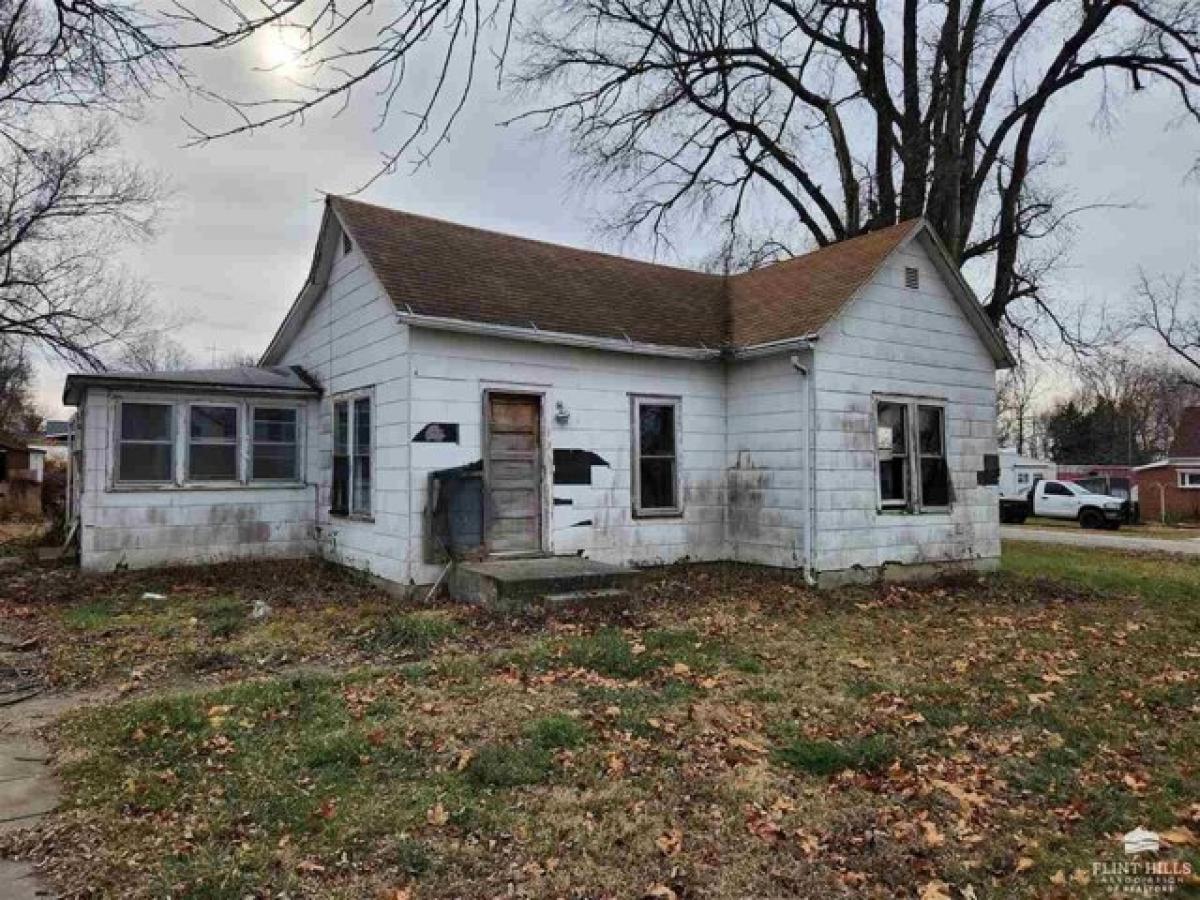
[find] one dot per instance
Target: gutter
(567, 339)
(809, 453)
(792, 344)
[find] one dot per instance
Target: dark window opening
(656, 456)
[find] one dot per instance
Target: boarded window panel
(145, 462)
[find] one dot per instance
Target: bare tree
(855, 114)
(17, 410)
(64, 204)
(152, 350)
(1017, 393)
(1170, 310)
(844, 115)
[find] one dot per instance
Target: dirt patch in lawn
(729, 734)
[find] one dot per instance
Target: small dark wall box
(990, 474)
(572, 466)
(437, 433)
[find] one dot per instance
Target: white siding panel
(450, 374)
(893, 340)
(351, 341)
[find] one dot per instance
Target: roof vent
(912, 277)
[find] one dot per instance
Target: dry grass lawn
(727, 735)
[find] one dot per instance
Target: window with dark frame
(351, 457)
(655, 451)
(913, 466)
(212, 443)
(274, 454)
(1054, 489)
(1189, 480)
(146, 443)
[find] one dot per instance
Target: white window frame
(1186, 475)
(350, 398)
(913, 503)
(637, 401)
(298, 411)
(238, 453)
(173, 442)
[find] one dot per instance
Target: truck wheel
(1091, 518)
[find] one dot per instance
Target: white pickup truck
(1067, 500)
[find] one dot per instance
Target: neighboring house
(54, 439)
(21, 468)
(1019, 473)
(438, 390)
(1169, 490)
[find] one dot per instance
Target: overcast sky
(237, 236)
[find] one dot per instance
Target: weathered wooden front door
(513, 471)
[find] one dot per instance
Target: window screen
(146, 450)
(213, 443)
(656, 456)
(274, 456)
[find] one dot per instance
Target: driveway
(1081, 538)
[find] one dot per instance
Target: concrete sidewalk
(1100, 539)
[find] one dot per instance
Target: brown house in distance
(1169, 490)
(21, 469)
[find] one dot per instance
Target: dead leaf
(670, 842)
(327, 809)
(659, 892)
(309, 867)
(437, 816)
(936, 890)
(681, 669)
(464, 760)
(1024, 863)
(933, 837)
(1179, 836)
(396, 894)
(859, 663)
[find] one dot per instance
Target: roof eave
(561, 338)
(76, 384)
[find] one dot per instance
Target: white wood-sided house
(438, 391)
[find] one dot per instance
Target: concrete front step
(509, 584)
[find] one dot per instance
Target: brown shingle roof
(438, 268)
(1186, 444)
